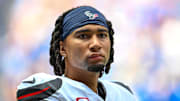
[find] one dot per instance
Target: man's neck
(88, 78)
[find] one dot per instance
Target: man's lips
(96, 57)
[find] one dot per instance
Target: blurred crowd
(147, 37)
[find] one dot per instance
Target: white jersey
(45, 87)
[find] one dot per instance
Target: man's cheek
(78, 53)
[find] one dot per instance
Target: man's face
(87, 46)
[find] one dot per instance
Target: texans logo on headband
(90, 15)
(81, 16)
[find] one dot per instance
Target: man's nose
(95, 44)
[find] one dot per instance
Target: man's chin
(96, 68)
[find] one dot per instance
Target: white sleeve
(38, 87)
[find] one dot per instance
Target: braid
(111, 59)
(56, 60)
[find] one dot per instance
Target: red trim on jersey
(81, 98)
(35, 93)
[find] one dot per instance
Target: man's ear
(62, 49)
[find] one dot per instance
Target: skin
(86, 46)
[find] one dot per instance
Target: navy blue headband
(81, 16)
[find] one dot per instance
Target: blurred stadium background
(147, 43)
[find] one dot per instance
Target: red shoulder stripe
(34, 93)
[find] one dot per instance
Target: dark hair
(56, 60)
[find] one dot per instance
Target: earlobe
(62, 49)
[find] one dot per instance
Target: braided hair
(56, 60)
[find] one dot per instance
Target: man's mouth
(96, 57)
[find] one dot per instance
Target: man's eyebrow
(82, 31)
(102, 30)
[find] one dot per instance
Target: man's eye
(83, 36)
(102, 35)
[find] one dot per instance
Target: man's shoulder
(38, 86)
(37, 79)
(118, 90)
(123, 85)
(117, 84)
